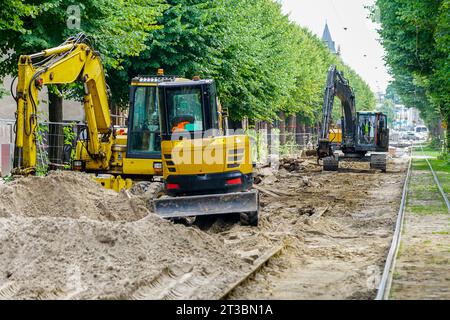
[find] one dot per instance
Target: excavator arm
(338, 86)
(74, 60)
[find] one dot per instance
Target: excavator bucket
(211, 204)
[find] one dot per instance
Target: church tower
(328, 40)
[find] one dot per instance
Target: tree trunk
(114, 114)
(300, 137)
(269, 139)
(261, 127)
(245, 123)
(56, 133)
(235, 124)
(282, 128)
(292, 127)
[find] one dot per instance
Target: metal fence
(56, 142)
(6, 145)
(268, 147)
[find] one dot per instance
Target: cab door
(366, 130)
(382, 133)
(144, 137)
(143, 155)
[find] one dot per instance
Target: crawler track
(188, 283)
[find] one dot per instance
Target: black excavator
(363, 136)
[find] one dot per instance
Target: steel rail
(438, 183)
(386, 278)
(259, 263)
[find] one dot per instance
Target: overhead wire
(338, 15)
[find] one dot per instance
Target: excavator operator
(181, 126)
(183, 117)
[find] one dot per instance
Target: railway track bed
(420, 270)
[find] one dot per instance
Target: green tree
(44, 24)
(256, 63)
(187, 44)
(11, 19)
(263, 63)
(13, 13)
(40, 25)
(117, 28)
(416, 36)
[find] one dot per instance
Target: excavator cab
(372, 133)
(205, 172)
(160, 106)
(136, 150)
(144, 138)
(190, 107)
(382, 137)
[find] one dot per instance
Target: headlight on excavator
(77, 165)
(157, 165)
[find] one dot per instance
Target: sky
(351, 29)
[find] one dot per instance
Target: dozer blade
(189, 206)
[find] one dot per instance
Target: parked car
(410, 136)
(421, 132)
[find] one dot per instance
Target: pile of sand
(63, 236)
(67, 194)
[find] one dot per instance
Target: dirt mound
(61, 258)
(64, 237)
(67, 194)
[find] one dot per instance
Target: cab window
(366, 129)
(213, 107)
(184, 108)
(144, 129)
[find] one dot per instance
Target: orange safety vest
(180, 126)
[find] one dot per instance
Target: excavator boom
(338, 86)
(74, 60)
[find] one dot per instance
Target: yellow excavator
(176, 129)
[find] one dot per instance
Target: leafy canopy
(263, 63)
